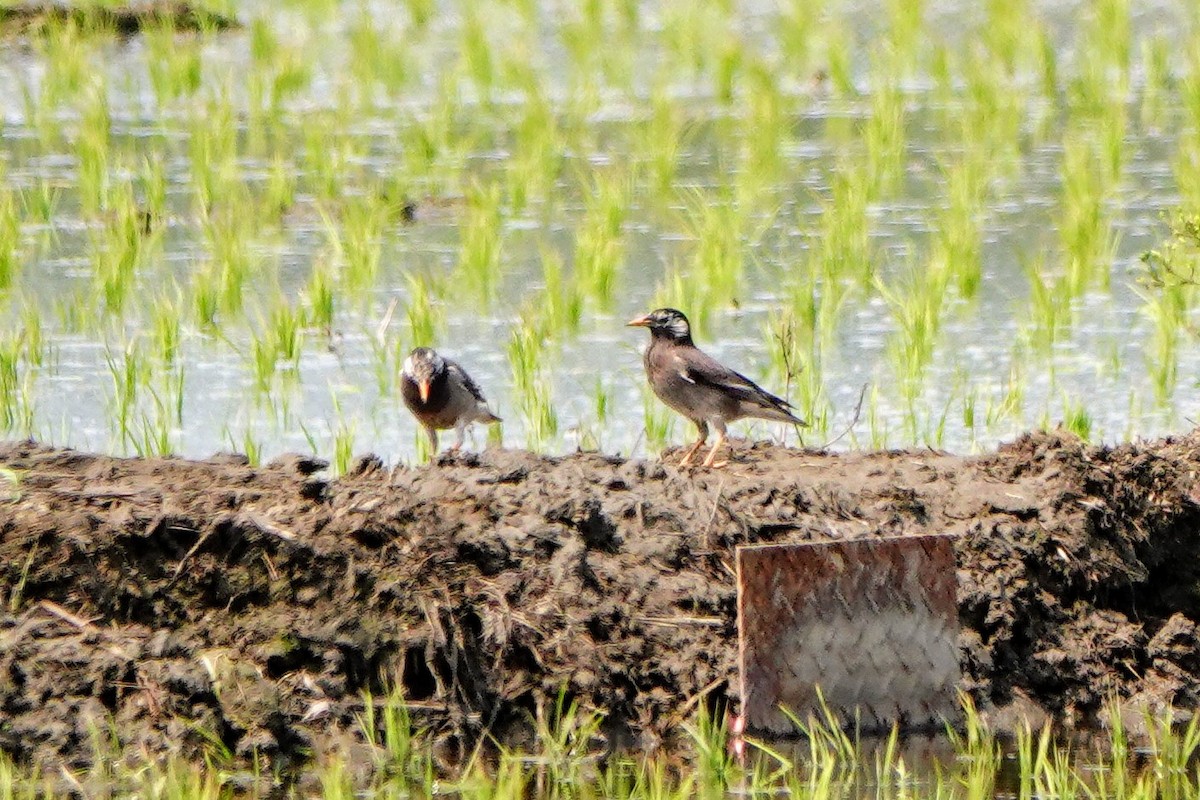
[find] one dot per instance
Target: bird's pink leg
(710, 460)
(687, 457)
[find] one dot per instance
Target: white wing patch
(683, 370)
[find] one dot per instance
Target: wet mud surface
(181, 605)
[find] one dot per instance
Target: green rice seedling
(175, 61)
(152, 180)
(1087, 239)
(842, 250)
(33, 337)
(877, 424)
(1050, 307)
(279, 189)
(429, 143)
(16, 406)
(66, 52)
(343, 446)
(796, 359)
(227, 234)
(526, 352)
(277, 343)
(916, 308)
(328, 150)
(476, 51)
(763, 131)
(129, 371)
(599, 241)
(716, 765)
(562, 300)
(660, 142)
(178, 780)
(566, 737)
(212, 152)
(1167, 309)
(248, 446)
(422, 312)
(420, 12)
(686, 39)
(10, 239)
(957, 229)
(1076, 419)
(356, 241)
(335, 779)
(40, 203)
(117, 251)
(319, 298)
(797, 26)
(287, 66)
(1011, 405)
(1185, 167)
(657, 422)
(205, 294)
(536, 160)
(378, 56)
(991, 116)
(717, 260)
(92, 148)
(166, 326)
(883, 132)
(905, 31)
(481, 242)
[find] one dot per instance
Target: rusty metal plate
(872, 622)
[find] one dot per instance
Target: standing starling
(697, 386)
(441, 395)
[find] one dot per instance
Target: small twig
(712, 516)
(694, 700)
(381, 331)
(191, 552)
(857, 416)
(265, 525)
(64, 615)
(679, 622)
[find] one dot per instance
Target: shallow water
(345, 384)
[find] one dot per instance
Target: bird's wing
(461, 374)
(702, 369)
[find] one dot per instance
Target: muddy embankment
(174, 602)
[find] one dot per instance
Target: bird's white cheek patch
(407, 369)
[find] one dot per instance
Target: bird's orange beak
(423, 388)
(640, 322)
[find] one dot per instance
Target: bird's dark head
(666, 323)
(423, 365)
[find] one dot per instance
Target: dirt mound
(179, 603)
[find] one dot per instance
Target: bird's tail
(780, 413)
(486, 416)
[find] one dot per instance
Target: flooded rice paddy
(923, 223)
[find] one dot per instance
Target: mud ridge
(180, 603)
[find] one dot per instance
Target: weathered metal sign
(872, 622)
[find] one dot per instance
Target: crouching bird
(441, 395)
(698, 386)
